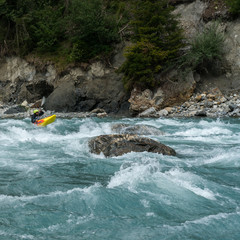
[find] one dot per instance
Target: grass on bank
(205, 49)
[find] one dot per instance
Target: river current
(52, 187)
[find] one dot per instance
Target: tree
(46, 28)
(29, 25)
(92, 29)
(157, 40)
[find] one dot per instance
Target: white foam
(15, 236)
(133, 174)
(91, 128)
(53, 228)
(224, 159)
(203, 132)
(150, 214)
(21, 132)
(88, 191)
(190, 182)
(75, 148)
(208, 219)
(145, 203)
(161, 122)
(72, 220)
(236, 188)
(84, 219)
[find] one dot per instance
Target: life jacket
(35, 116)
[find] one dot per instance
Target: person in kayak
(36, 114)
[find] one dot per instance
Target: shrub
(234, 6)
(206, 48)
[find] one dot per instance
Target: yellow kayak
(45, 121)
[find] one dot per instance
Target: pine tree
(157, 39)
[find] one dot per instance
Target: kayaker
(36, 114)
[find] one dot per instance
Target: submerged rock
(135, 129)
(119, 144)
(201, 114)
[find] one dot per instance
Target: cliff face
(99, 86)
(194, 17)
(77, 89)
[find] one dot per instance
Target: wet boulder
(119, 144)
(15, 109)
(140, 129)
(62, 99)
(201, 113)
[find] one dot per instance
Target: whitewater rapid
(52, 187)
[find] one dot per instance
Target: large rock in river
(119, 144)
(139, 129)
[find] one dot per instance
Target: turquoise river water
(52, 187)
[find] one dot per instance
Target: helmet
(35, 111)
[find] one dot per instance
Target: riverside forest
(68, 32)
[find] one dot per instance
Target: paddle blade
(43, 101)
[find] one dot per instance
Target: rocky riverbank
(23, 111)
(212, 103)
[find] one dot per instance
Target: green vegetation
(75, 30)
(144, 59)
(206, 49)
(92, 29)
(28, 25)
(68, 31)
(72, 31)
(234, 6)
(157, 40)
